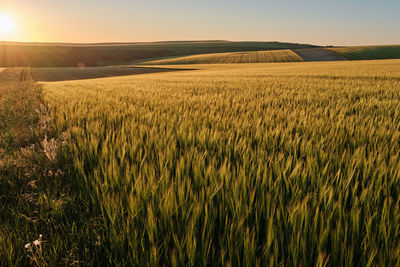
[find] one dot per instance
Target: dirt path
(15, 75)
(319, 54)
(25, 75)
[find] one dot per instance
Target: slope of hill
(319, 54)
(369, 52)
(65, 55)
(235, 57)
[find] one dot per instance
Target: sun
(7, 24)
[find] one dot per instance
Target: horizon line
(62, 43)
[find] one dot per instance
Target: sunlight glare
(6, 24)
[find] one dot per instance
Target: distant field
(62, 74)
(369, 52)
(236, 57)
(65, 55)
(107, 54)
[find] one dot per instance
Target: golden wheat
(250, 164)
(235, 57)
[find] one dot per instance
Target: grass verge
(43, 215)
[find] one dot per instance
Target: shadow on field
(65, 74)
(319, 54)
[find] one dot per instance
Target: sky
(320, 22)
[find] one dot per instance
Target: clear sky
(336, 22)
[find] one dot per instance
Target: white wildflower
(27, 246)
(36, 242)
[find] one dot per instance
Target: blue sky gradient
(339, 22)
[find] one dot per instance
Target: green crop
(369, 52)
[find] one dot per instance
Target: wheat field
(293, 164)
(235, 57)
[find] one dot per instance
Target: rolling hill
(72, 55)
(369, 52)
(319, 54)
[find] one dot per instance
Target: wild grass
(40, 205)
(236, 57)
(369, 52)
(270, 164)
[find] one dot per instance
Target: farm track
(15, 75)
(24, 75)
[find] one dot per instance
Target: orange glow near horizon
(94, 21)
